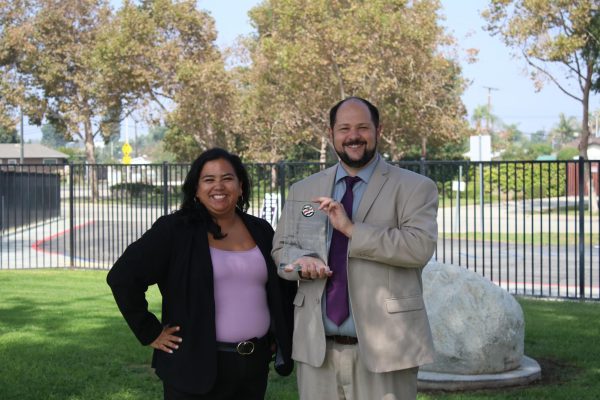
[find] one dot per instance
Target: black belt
(245, 347)
(343, 339)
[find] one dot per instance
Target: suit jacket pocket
(299, 299)
(395, 305)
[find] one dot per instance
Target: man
(372, 348)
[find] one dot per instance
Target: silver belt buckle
(245, 348)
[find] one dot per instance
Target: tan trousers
(344, 377)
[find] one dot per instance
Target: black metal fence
(28, 197)
(531, 227)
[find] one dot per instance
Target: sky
(513, 98)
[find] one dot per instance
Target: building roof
(31, 150)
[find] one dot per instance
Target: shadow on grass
(62, 338)
(63, 344)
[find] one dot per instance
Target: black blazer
(174, 254)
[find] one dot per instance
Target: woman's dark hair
(372, 110)
(195, 209)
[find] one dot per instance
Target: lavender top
(241, 310)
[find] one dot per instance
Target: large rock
(477, 327)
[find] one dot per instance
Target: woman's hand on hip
(167, 341)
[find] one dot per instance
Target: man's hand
(166, 341)
(337, 215)
(309, 268)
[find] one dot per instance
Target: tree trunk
(274, 176)
(323, 150)
(424, 148)
(90, 158)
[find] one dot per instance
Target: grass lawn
(62, 337)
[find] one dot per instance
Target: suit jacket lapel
(327, 181)
(373, 188)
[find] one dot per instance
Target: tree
(483, 119)
(49, 51)
(567, 153)
(566, 130)
(53, 136)
(310, 54)
(526, 149)
(202, 118)
(8, 132)
(594, 31)
(8, 135)
(50, 57)
(170, 50)
(8, 121)
(81, 66)
(553, 32)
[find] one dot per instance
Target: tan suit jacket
(394, 236)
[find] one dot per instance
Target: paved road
(549, 270)
(100, 237)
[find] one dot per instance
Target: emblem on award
(306, 231)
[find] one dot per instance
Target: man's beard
(361, 162)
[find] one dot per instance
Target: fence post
(422, 166)
(581, 182)
(281, 182)
(71, 214)
(165, 170)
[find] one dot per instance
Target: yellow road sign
(126, 160)
(126, 149)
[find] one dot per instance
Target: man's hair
(372, 110)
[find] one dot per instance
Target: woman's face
(219, 187)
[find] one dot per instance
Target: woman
(224, 310)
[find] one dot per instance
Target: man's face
(354, 135)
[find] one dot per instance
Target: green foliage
(529, 180)
(82, 66)
(566, 130)
(593, 48)
(567, 153)
(8, 135)
(134, 190)
(53, 136)
(157, 132)
(74, 155)
(505, 180)
(443, 151)
(309, 55)
(185, 147)
(554, 32)
(302, 152)
(526, 149)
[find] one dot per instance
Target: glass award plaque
(306, 231)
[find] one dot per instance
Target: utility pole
(489, 132)
(135, 149)
(489, 107)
